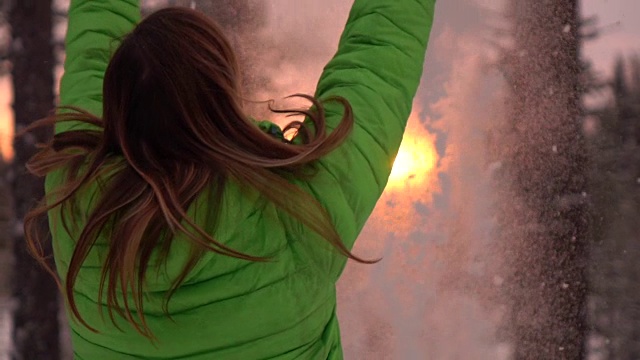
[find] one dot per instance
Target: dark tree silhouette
(544, 213)
(35, 317)
(615, 147)
(6, 216)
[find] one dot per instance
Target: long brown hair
(172, 127)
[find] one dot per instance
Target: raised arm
(93, 30)
(377, 68)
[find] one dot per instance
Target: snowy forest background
(521, 239)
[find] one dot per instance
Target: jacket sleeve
(94, 28)
(377, 68)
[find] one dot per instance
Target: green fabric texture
(229, 308)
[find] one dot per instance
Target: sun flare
(415, 161)
(412, 181)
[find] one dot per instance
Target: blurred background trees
(541, 190)
(614, 146)
(35, 312)
(5, 203)
(568, 191)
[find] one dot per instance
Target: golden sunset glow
(6, 118)
(416, 159)
(412, 183)
(403, 165)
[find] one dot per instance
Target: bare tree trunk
(35, 318)
(545, 216)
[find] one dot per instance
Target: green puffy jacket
(234, 309)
